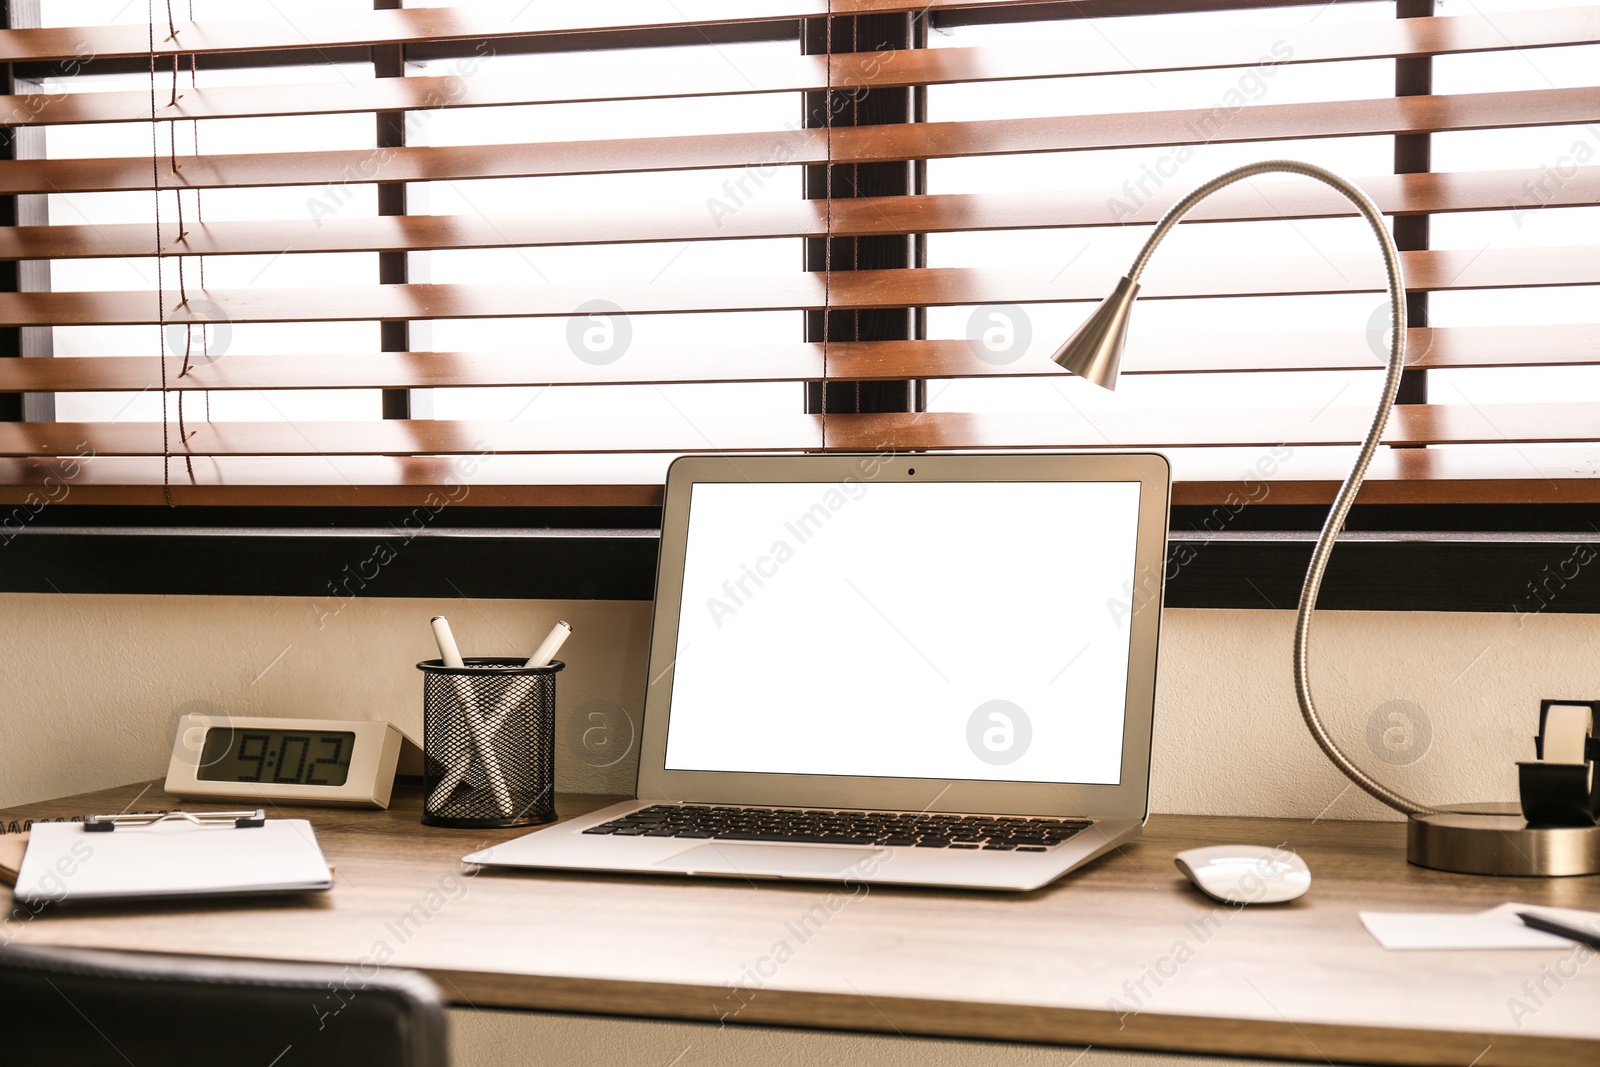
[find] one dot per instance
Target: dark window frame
(1392, 557)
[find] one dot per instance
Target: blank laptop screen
(942, 630)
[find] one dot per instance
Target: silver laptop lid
(954, 632)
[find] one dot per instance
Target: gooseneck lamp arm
(1094, 352)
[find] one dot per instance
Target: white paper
(1495, 928)
(64, 863)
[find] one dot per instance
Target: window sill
(562, 557)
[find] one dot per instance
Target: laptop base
(566, 847)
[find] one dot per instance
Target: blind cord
(161, 296)
(183, 233)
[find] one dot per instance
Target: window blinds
(725, 177)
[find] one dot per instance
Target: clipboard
(177, 854)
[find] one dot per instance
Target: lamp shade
(1095, 350)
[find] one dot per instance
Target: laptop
(933, 670)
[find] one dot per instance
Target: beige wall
(93, 685)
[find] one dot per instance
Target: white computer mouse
(1245, 874)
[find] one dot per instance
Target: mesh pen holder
(489, 738)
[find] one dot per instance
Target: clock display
(276, 757)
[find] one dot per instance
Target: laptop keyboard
(843, 827)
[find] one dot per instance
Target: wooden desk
(1301, 981)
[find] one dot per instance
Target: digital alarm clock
(290, 761)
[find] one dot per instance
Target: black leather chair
(90, 1008)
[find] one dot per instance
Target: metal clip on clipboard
(241, 820)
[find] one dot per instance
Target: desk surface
(1120, 954)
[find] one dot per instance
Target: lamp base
(1495, 839)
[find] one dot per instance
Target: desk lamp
(1469, 838)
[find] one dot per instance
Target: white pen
(550, 645)
(449, 654)
(542, 657)
(477, 730)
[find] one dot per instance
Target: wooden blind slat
(1475, 475)
(1310, 350)
(1395, 194)
(922, 287)
(341, 481)
(1222, 125)
(638, 78)
(418, 92)
(1444, 347)
(1131, 51)
(410, 25)
(1497, 475)
(415, 370)
(476, 21)
(1245, 427)
(412, 437)
(1411, 424)
(890, 143)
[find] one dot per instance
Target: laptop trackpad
(792, 861)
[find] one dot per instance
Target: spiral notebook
(66, 862)
(14, 842)
(11, 850)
